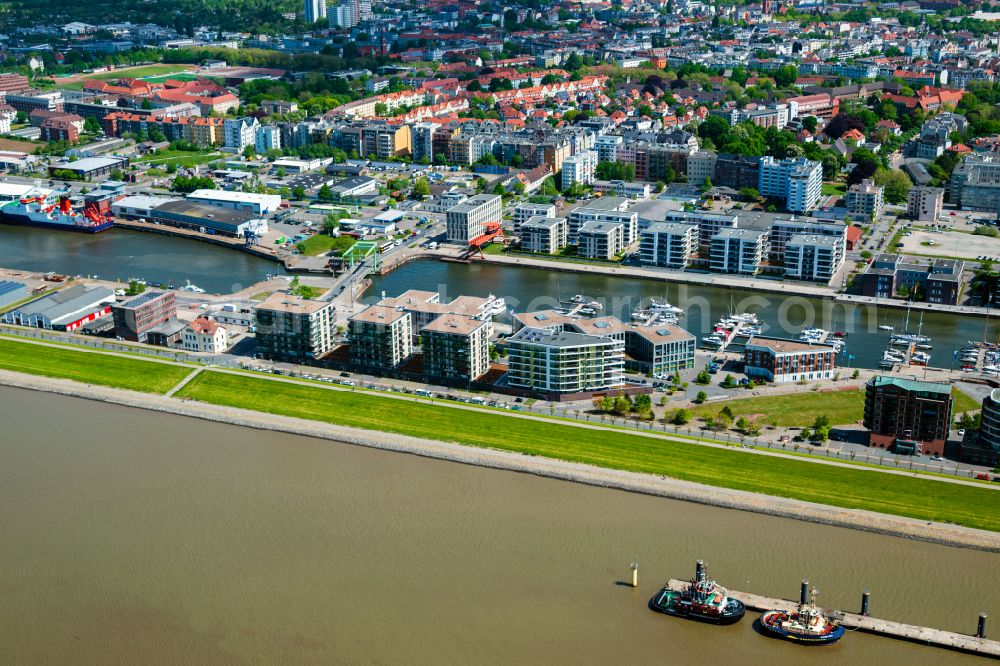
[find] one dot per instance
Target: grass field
(180, 158)
(795, 409)
(177, 76)
(141, 72)
(321, 243)
(91, 368)
(837, 486)
(833, 189)
(801, 409)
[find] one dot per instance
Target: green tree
(701, 397)
(785, 76)
(421, 188)
(681, 417)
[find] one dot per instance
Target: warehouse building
(64, 310)
(208, 219)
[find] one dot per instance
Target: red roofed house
(853, 237)
(204, 335)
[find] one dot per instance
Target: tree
(622, 405)
(298, 193)
(681, 417)
(91, 125)
(701, 397)
(331, 223)
(785, 76)
(749, 194)
(325, 193)
(729, 382)
(810, 123)
(421, 188)
(896, 184)
(820, 429)
(249, 152)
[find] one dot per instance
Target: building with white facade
(605, 209)
(865, 200)
(315, 10)
(204, 335)
(525, 211)
(268, 137)
(544, 234)
(247, 202)
(668, 244)
(924, 204)
(238, 133)
(556, 362)
(579, 168)
(600, 240)
(738, 251)
(814, 258)
(468, 219)
(797, 181)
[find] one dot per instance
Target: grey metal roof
(66, 301)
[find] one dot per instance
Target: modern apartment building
(268, 137)
(468, 219)
(600, 240)
(783, 361)
(605, 209)
(579, 168)
(668, 244)
(924, 204)
(525, 211)
(783, 230)
(381, 338)
(456, 348)
(315, 10)
(709, 224)
(975, 183)
(544, 234)
(559, 362)
(136, 316)
(735, 171)
(864, 200)
(907, 415)
(240, 132)
(738, 251)
(294, 329)
(701, 166)
(797, 181)
(814, 258)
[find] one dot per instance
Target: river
(122, 253)
(138, 537)
(783, 315)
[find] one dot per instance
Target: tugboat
(808, 624)
(702, 599)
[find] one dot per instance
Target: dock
(870, 625)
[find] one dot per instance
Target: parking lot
(950, 244)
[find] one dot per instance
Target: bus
(386, 246)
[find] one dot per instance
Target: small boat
(920, 358)
(495, 305)
(886, 327)
(580, 299)
(194, 289)
(808, 624)
(701, 599)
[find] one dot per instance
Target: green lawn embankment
(91, 368)
(824, 484)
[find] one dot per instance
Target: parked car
(983, 477)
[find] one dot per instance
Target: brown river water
(133, 537)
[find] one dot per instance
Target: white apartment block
(738, 251)
(924, 204)
(468, 219)
(668, 244)
(544, 234)
(240, 132)
(525, 211)
(798, 181)
(579, 168)
(563, 362)
(268, 137)
(865, 200)
(814, 258)
(605, 209)
(600, 240)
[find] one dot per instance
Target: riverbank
(940, 533)
(755, 285)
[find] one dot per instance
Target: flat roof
(660, 333)
(7, 286)
(236, 197)
(785, 346)
(206, 212)
(542, 222)
(143, 201)
(282, 301)
(92, 163)
(141, 299)
(456, 324)
(557, 338)
(67, 301)
(379, 314)
(473, 203)
(595, 227)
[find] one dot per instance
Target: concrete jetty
(871, 625)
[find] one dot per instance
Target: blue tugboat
(808, 624)
(702, 599)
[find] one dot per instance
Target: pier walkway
(855, 622)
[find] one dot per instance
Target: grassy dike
(824, 484)
(104, 369)
(913, 497)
